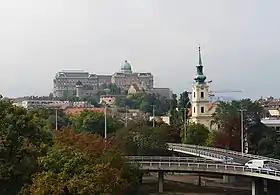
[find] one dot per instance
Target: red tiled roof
(71, 111)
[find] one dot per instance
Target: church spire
(199, 57)
(200, 77)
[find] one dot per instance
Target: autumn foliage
(228, 136)
(82, 163)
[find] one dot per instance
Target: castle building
(202, 108)
(81, 83)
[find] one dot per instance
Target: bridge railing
(199, 152)
(251, 156)
(170, 166)
(170, 159)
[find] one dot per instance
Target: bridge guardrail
(171, 159)
(194, 150)
(252, 156)
(203, 166)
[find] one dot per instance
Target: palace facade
(81, 83)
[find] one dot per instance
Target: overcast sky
(239, 39)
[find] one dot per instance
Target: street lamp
(56, 125)
(56, 116)
(242, 130)
(185, 121)
(153, 115)
(105, 121)
(125, 116)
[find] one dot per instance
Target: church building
(202, 108)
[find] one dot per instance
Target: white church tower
(200, 96)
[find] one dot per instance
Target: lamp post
(185, 125)
(242, 130)
(153, 115)
(56, 116)
(125, 116)
(105, 122)
(56, 125)
(185, 120)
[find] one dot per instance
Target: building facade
(202, 109)
(80, 83)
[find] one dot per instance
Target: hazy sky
(239, 39)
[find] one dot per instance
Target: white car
(257, 164)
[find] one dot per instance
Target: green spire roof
(200, 77)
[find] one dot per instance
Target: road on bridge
(238, 158)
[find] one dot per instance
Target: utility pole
(56, 126)
(185, 121)
(105, 122)
(242, 130)
(125, 116)
(185, 125)
(153, 116)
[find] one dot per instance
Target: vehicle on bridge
(227, 159)
(256, 164)
(263, 165)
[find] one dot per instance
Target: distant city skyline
(239, 40)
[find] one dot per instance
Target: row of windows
(201, 94)
(201, 109)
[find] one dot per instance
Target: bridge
(174, 159)
(200, 165)
(219, 154)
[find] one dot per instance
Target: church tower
(200, 96)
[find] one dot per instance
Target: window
(193, 109)
(202, 109)
(193, 94)
(202, 94)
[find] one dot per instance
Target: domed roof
(126, 66)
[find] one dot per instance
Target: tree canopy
(82, 163)
(144, 140)
(94, 122)
(23, 139)
(228, 118)
(196, 134)
(145, 102)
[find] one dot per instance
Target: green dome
(126, 66)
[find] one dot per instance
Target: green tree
(197, 134)
(145, 102)
(22, 141)
(142, 140)
(183, 103)
(174, 112)
(47, 117)
(94, 122)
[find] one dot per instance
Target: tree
(22, 141)
(172, 132)
(93, 121)
(142, 140)
(83, 163)
(227, 117)
(197, 134)
(145, 102)
(184, 102)
(47, 117)
(175, 119)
